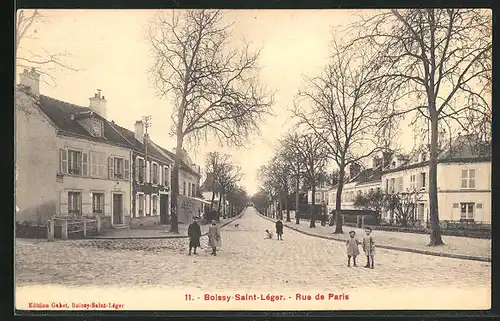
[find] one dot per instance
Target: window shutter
(147, 204)
(63, 164)
(137, 204)
(126, 170)
(110, 167)
(479, 205)
(137, 169)
(419, 182)
(85, 164)
(148, 173)
(160, 175)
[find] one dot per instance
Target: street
(246, 260)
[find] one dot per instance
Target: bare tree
(281, 174)
(374, 201)
(440, 60)
(313, 155)
(230, 175)
(215, 164)
(289, 153)
(214, 88)
(403, 205)
(345, 110)
(42, 61)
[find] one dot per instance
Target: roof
(141, 147)
(370, 176)
(464, 149)
(185, 167)
(61, 112)
(207, 184)
(65, 116)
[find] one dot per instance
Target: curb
(389, 247)
(159, 237)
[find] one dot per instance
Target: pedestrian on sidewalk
(269, 234)
(214, 237)
(369, 248)
(279, 229)
(352, 248)
(194, 233)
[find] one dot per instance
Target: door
(117, 209)
(163, 209)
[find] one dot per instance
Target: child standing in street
(352, 248)
(369, 248)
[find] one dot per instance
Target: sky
(110, 52)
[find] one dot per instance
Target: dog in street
(236, 225)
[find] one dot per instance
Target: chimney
(386, 158)
(98, 104)
(30, 79)
(139, 131)
(377, 162)
(354, 170)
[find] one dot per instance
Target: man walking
(279, 229)
(194, 233)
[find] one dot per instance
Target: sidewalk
(455, 246)
(157, 231)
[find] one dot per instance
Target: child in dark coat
(352, 248)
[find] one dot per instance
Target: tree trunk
(313, 208)
(213, 196)
(287, 207)
(435, 233)
(338, 203)
(297, 201)
(174, 222)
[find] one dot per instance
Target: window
(387, 185)
(400, 184)
(412, 182)
(155, 204)
(183, 188)
(118, 168)
(318, 197)
(468, 178)
(420, 211)
(193, 189)
(75, 203)
(423, 179)
(392, 186)
(166, 175)
(96, 164)
(190, 193)
(156, 173)
(140, 206)
(75, 162)
(140, 170)
(97, 128)
(467, 211)
(98, 203)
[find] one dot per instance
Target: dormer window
(97, 128)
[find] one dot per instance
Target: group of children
(367, 244)
(352, 245)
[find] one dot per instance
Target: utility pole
(147, 123)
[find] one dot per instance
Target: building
(463, 177)
(151, 178)
(69, 159)
(189, 201)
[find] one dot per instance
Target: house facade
(463, 178)
(151, 179)
(69, 160)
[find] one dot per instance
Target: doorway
(117, 209)
(164, 209)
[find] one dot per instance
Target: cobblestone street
(245, 261)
